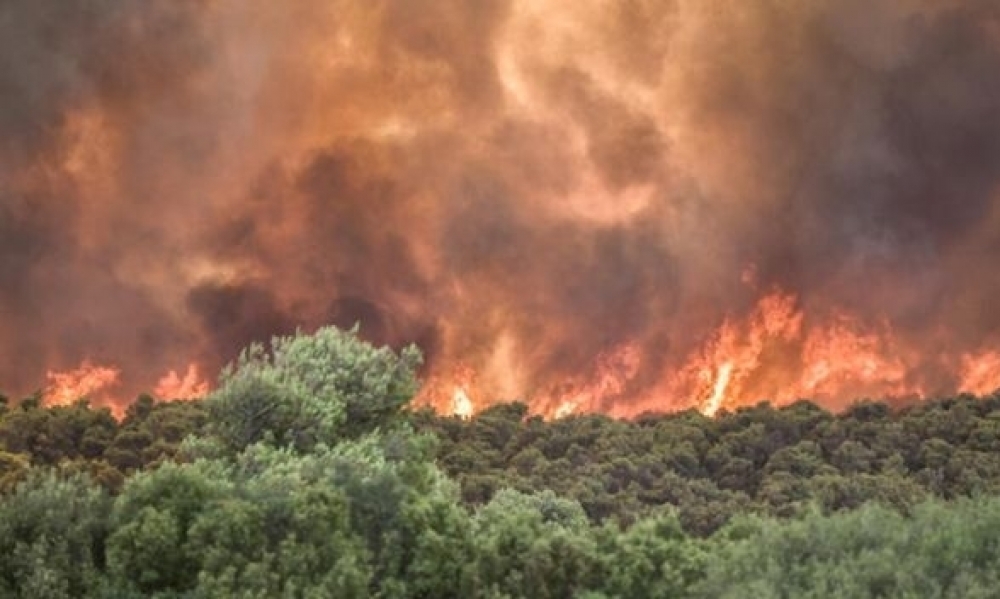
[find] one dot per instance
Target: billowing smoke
(611, 205)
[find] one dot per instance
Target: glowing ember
(189, 386)
(85, 382)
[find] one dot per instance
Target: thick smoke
(521, 188)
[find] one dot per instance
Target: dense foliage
(762, 460)
(304, 475)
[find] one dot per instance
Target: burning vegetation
(618, 207)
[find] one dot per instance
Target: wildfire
(461, 405)
(773, 355)
(189, 386)
(609, 380)
(84, 382)
(609, 207)
(451, 394)
(776, 353)
(980, 373)
(721, 370)
(712, 405)
(840, 357)
(100, 383)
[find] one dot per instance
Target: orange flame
(980, 373)
(774, 356)
(776, 353)
(174, 386)
(612, 373)
(453, 393)
(720, 371)
(85, 382)
(461, 404)
(839, 357)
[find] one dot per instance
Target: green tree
(278, 542)
(309, 389)
(654, 558)
(148, 550)
(536, 545)
(52, 534)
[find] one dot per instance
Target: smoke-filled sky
(536, 192)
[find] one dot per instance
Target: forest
(308, 474)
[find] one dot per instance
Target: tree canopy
(307, 474)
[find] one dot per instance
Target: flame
(719, 389)
(777, 352)
(587, 213)
(722, 369)
(611, 374)
(451, 393)
(99, 383)
(461, 405)
(88, 381)
(838, 357)
(980, 373)
(174, 386)
(773, 355)
(462, 390)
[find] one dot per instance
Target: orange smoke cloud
(558, 203)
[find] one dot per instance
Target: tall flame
(775, 356)
(980, 373)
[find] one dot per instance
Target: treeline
(80, 438)
(762, 460)
(306, 475)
